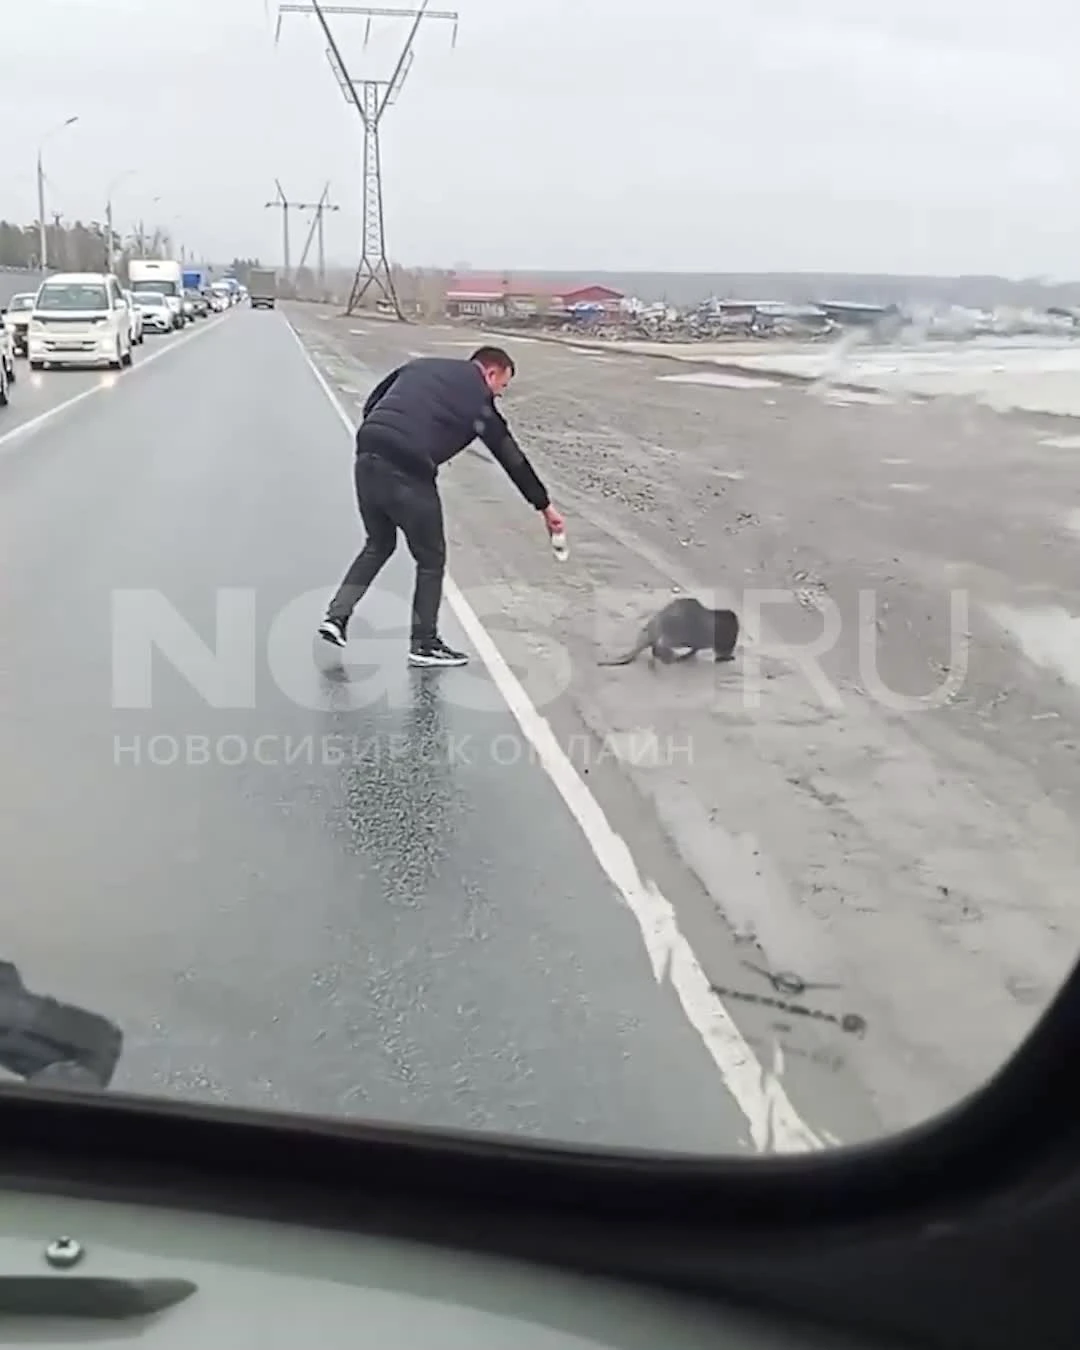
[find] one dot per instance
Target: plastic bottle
(559, 546)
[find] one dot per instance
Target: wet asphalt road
(288, 894)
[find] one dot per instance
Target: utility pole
(58, 225)
(371, 98)
(110, 237)
(283, 202)
(320, 208)
(43, 230)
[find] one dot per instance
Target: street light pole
(43, 234)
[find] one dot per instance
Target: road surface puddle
(842, 398)
(1061, 442)
(1050, 637)
(721, 380)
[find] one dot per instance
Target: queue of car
(91, 319)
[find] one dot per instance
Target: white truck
(164, 275)
(262, 287)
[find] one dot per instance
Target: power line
(371, 98)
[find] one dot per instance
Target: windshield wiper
(53, 1043)
(82, 1296)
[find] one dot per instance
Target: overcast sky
(849, 135)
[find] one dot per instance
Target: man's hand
(553, 520)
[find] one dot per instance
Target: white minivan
(79, 318)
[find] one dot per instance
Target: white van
(79, 318)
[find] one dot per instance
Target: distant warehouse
(506, 297)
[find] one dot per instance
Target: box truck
(160, 274)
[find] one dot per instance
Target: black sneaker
(333, 630)
(435, 653)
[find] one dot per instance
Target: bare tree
(75, 246)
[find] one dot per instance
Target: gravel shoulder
(918, 861)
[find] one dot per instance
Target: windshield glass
(697, 769)
(72, 295)
(150, 300)
(158, 285)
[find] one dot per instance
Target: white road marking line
(1073, 521)
(119, 378)
(774, 1123)
(908, 487)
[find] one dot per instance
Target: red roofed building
(500, 296)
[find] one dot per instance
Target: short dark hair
(493, 356)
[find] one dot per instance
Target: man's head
(495, 366)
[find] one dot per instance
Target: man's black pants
(389, 500)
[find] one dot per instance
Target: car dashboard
(72, 1270)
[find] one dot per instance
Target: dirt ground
(918, 858)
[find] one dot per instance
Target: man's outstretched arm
(498, 438)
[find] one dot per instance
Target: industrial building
(507, 297)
